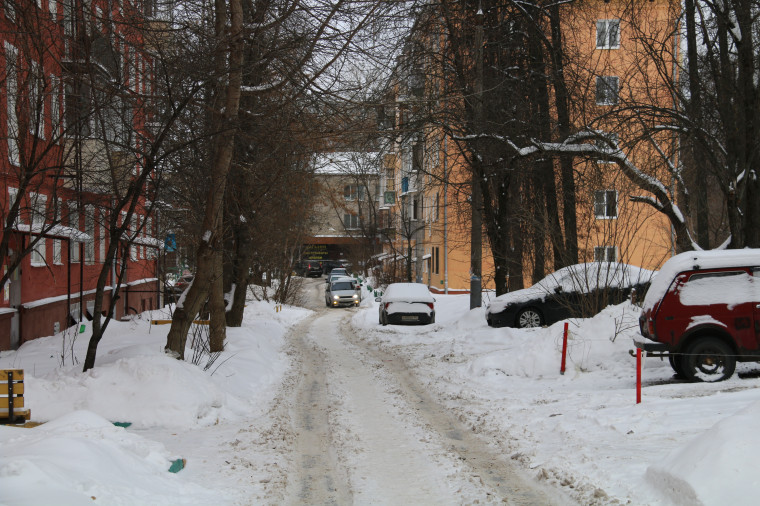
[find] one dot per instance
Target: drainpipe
(445, 216)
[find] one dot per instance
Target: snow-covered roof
(407, 292)
(346, 162)
(690, 260)
(56, 231)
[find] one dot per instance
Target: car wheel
(709, 359)
(529, 318)
(677, 363)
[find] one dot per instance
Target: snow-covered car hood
(582, 278)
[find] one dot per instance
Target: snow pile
(685, 444)
(80, 457)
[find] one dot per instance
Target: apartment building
(426, 179)
(75, 80)
(344, 216)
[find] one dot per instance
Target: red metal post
(564, 350)
(638, 375)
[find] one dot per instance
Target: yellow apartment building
(424, 180)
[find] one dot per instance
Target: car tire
(432, 319)
(709, 359)
(529, 318)
(677, 364)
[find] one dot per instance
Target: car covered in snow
(702, 312)
(575, 291)
(406, 303)
(343, 291)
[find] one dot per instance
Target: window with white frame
(353, 192)
(607, 88)
(11, 100)
(73, 223)
(132, 236)
(10, 10)
(53, 8)
(39, 216)
(89, 229)
(605, 204)
(351, 221)
(608, 34)
(57, 253)
(12, 196)
(37, 101)
(101, 238)
(605, 254)
(55, 105)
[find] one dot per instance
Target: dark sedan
(576, 291)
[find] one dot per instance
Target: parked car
(343, 291)
(406, 303)
(309, 268)
(575, 291)
(703, 313)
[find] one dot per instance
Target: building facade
(76, 77)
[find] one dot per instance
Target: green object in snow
(177, 466)
(122, 424)
(81, 328)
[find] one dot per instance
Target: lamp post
(476, 243)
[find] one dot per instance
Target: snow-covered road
(367, 432)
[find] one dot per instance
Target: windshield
(342, 285)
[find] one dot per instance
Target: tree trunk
(218, 325)
(212, 240)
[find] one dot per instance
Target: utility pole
(476, 242)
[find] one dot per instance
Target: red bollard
(564, 351)
(638, 375)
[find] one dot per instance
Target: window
(606, 90)
(351, 221)
(132, 236)
(415, 209)
(10, 10)
(605, 204)
(436, 260)
(89, 229)
(73, 223)
(102, 239)
(353, 192)
(53, 7)
(11, 98)
(57, 257)
(12, 196)
(390, 179)
(608, 34)
(37, 101)
(605, 254)
(39, 209)
(55, 106)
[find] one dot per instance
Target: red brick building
(75, 77)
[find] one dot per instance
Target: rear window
(728, 287)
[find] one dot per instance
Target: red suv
(702, 311)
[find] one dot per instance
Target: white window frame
(101, 238)
(605, 253)
(36, 96)
(73, 223)
(132, 236)
(11, 100)
(12, 196)
(57, 250)
(89, 229)
(351, 221)
(602, 204)
(38, 209)
(607, 90)
(608, 34)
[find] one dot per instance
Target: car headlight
(335, 297)
(356, 296)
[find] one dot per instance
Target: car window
(342, 285)
(728, 287)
